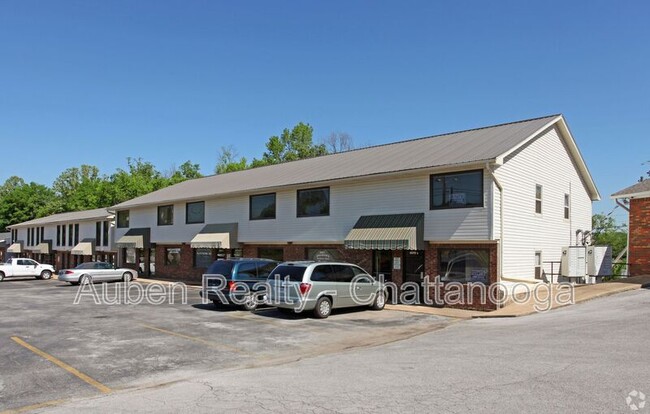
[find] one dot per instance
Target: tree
(141, 178)
(187, 171)
(605, 231)
(80, 188)
(21, 202)
(291, 145)
(228, 161)
(338, 142)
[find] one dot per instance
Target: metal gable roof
(463, 147)
(96, 214)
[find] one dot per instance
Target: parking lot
(53, 349)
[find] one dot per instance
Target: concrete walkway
(521, 308)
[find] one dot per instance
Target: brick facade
(639, 255)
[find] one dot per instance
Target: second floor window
(195, 212)
(313, 202)
(123, 218)
(165, 215)
(567, 206)
(457, 190)
(538, 199)
(262, 206)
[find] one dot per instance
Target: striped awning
(211, 241)
(85, 248)
(14, 248)
(44, 247)
(135, 238)
(216, 236)
(387, 232)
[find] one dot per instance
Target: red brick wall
(184, 271)
(639, 236)
(431, 269)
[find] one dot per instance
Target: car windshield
(89, 265)
(293, 273)
(220, 267)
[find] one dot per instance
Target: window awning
(85, 248)
(44, 247)
(216, 236)
(387, 232)
(15, 248)
(135, 238)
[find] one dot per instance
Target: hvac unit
(574, 261)
(599, 261)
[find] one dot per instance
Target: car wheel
(2, 276)
(85, 280)
(380, 301)
(323, 308)
(250, 304)
(46, 274)
(127, 277)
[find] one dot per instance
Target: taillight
(69, 272)
(304, 288)
(232, 285)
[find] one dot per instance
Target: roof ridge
(388, 144)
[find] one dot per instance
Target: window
(123, 218)
(567, 206)
(165, 215)
(538, 199)
(70, 234)
(42, 234)
(457, 190)
(63, 235)
(58, 235)
(98, 233)
(538, 265)
(202, 257)
(29, 237)
(172, 256)
(247, 271)
(76, 234)
(292, 273)
(129, 253)
(464, 265)
(323, 273)
(273, 253)
(195, 212)
(314, 202)
(105, 228)
(265, 269)
(262, 207)
(38, 235)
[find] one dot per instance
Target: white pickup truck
(25, 268)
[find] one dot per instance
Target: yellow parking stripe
(101, 387)
(33, 407)
(195, 339)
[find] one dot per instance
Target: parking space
(53, 349)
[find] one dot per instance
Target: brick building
(470, 206)
(638, 197)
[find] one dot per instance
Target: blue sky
(96, 82)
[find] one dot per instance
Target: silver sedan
(91, 272)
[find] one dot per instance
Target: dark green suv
(234, 282)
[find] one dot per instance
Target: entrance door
(413, 265)
(382, 264)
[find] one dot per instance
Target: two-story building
(67, 239)
(638, 198)
(473, 205)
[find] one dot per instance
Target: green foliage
(291, 145)
(20, 202)
(80, 188)
(605, 231)
(228, 163)
(187, 171)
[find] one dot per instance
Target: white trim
(573, 150)
(642, 194)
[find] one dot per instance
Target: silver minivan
(321, 287)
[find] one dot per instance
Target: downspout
(488, 167)
(627, 244)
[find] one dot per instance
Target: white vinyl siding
(404, 193)
(544, 161)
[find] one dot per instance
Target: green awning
(387, 232)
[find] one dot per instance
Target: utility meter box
(574, 261)
(599, 261)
